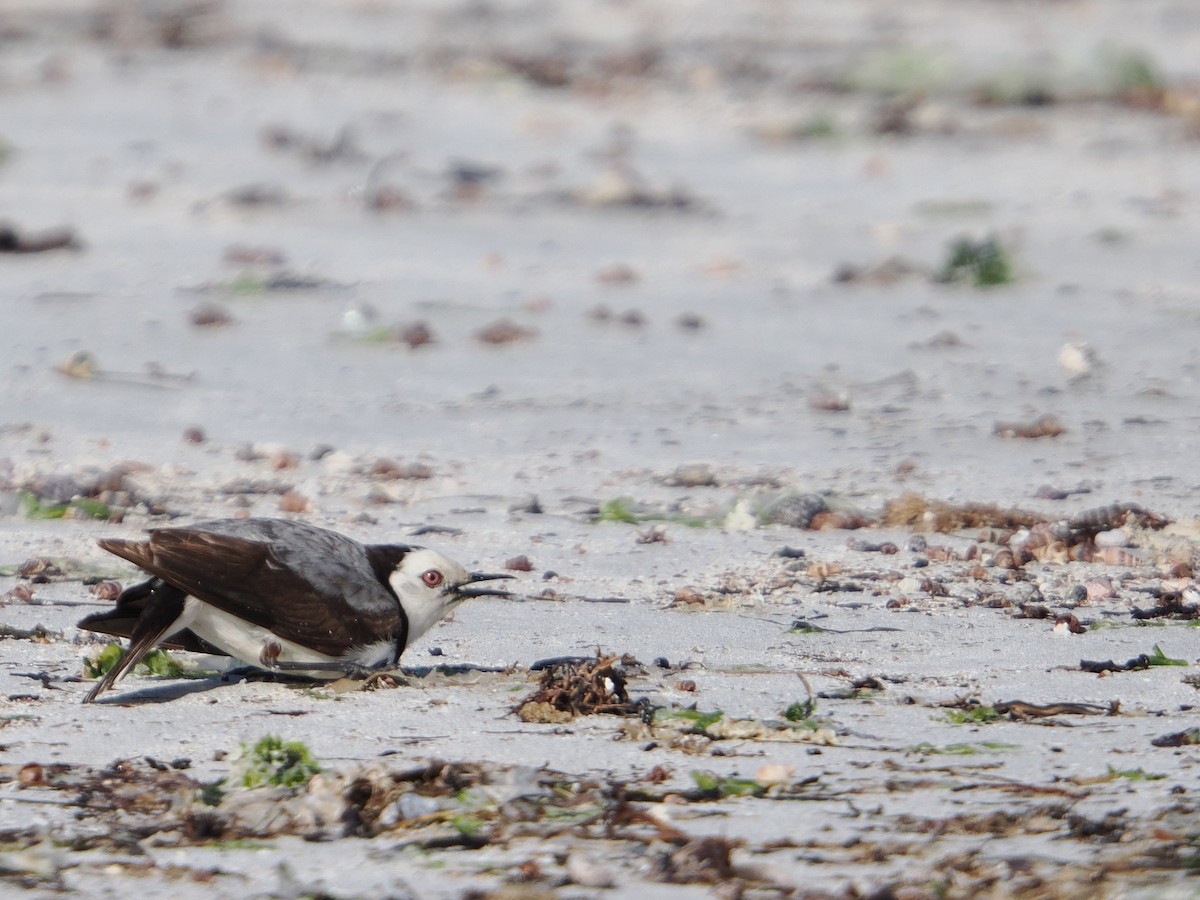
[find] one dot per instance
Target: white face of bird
(429, 585)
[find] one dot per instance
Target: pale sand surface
(137, 146)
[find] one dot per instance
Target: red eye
(432, 578)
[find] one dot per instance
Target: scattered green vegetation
(1111, 235)
(800, 626)
(975, 715)
(904, 70)
(970, 206)
(717, 787)
(278, 762)
(156, 662)
(1158, 658)
(965, 749)
(983, 263)
(1185, 738)
(698, 720)
(467, 824)
(821, 124)
(800, 711)
(1017, 87)
(1129, 72)
(211, 793)
(248, 283)
(1138, 774)
(80, 507)
(621, 509)
(237, 844)
(618, 510)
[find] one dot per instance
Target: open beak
(475, 577)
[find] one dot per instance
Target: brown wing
(122, 618)
(305, 584)
(161, 608)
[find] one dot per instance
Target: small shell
(687, 596)
(106, 590)
(1119, 556)
(294, 502)
(1043, 426)
(823, 570)
(1078, 359)
(775, 773)
(1115, 515)
(504, 331)
(618, 274)
(1099, 589)
(520, 563)
(21, 593)
(416, 334)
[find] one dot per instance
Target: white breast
(245, 641)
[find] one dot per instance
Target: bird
(280, 595)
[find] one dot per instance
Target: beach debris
(106, 591)
(1186, 738)
(294, 502)
(617, 275)
(886, 272)
(655, 534)
(969, 711)
(621, 187)
(20, 593)
(691, 475)
(824, 400)
(13, 240)
(387, 469)
(252, 282)
(520, 563)
(1170, 606)
(695, 731)
(1043, 426)
(210, 315)
(342, 147)
(1019, 709)
(914, 511)
(1078, 359)
(82, 366)
(504, 331)
(581, 687)
(254, 255)
(1155, 657)
(794, 510)
(256, 196)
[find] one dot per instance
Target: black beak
(463, 591)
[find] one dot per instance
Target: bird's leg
(269, 655)
(354, 670)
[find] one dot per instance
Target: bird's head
(429, 585)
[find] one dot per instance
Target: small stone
(692, 475)
(797, 510)
(587, 872)
(294, 502)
